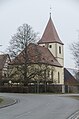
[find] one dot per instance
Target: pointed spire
(50, 34)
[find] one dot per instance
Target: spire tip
(50, 11)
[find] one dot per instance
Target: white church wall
(58, 79)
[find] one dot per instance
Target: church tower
(51, 40)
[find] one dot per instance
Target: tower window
(59, 49)
(50, 46)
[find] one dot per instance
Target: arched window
(52, 76)
(58, 77)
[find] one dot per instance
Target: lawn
(1, 100)
(75, 97)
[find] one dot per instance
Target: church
(51, 54)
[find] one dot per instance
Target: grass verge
(74, 97)
(1, 100)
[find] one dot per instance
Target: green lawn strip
(1, 100)
(74, 97)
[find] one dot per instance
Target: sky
(36, 13)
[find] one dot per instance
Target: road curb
(8, 102)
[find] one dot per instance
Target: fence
(72, 88)
(32, 89)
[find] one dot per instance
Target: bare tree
(24, 69)
(75, 52)
(21, 39)
(19, 42)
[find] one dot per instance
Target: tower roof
(50, 34)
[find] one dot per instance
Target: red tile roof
(37, 54)
(50, 34)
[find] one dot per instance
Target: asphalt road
(39, 106)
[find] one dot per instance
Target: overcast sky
(65, 15)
